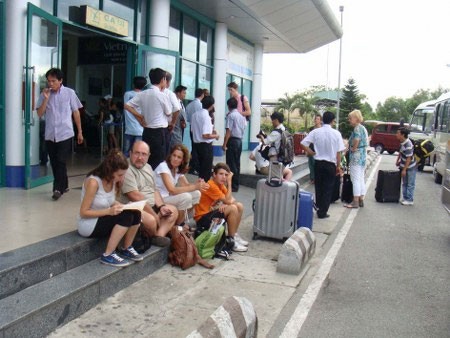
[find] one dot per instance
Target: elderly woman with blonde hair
(357, 147)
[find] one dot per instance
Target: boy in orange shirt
(217, 202)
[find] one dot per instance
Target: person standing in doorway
(133, 130)
(232, 143)
(194, 106)
(328, 144)
(156, 112)
(59, 104)
(176, 107)
(408, 166)
(243, 103)
(180, 122)
(204, 134)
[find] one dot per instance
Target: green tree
(393, 110)
(350, 100)
(287, 104)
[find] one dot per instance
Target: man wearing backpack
(274, 138)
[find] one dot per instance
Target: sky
(389, 47)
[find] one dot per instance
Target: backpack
(422, 148)
(286, 151)
(183, 252)
(207, 241)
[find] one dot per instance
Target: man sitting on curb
(262, 165)
(139, 184)
(218, 198)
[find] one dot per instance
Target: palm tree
(287, 104)
(305, 104)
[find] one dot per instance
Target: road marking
(298, 318)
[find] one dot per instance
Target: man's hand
(224, 147)
(80, 138)
(165, 211)
(46, 93)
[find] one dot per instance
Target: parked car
(383, 137)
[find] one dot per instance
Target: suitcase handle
(275, 178)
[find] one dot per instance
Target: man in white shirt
(133, 129)
(180, 123)
(176, 107)
(156, 111)
(328, 145)
(204, 134)
(194, 106)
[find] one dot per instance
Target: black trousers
(325, 175)
(58, 153)
(158, 139)
(205, 159)
(233, 159)
(193, 164)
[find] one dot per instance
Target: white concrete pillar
(256, 94)
(15, 49)
(219, 83)
(159, 23)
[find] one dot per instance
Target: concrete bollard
(296, 251)
(236, 317)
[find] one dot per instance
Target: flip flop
(351, 206)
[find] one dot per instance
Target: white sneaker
(239, 247)
(240, 240)
(407, 202)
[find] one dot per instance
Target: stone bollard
(236, 317)
(296, 251)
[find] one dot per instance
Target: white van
(441, 135)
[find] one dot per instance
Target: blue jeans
(128, 141)
(409, 184)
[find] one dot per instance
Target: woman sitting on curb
(173, 185)
(102, 216)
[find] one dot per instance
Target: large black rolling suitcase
(388, 186)
(276, 205)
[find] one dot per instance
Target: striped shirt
(407, 150)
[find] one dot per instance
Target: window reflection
(189, 38)
(174, 30)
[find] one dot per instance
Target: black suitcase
(337, 189)
(347, 189)
(388, 186)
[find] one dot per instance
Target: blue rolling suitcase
(305, 210)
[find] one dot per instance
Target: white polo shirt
(327, 143)
(154, 105)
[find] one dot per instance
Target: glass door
(44, 36)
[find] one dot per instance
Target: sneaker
(131, 253)
(114, 260)
(405, 202)
(56, 195)
(239, 247)
(160, 241)
(240, 240)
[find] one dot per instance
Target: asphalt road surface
(391, 273)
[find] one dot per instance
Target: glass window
(142, 22)
(64, 6)
(154, 60)
(204, 77)
(123, 9)
(174, 30)
(445, 117)
(190, 31)
(47, 5)
(188, 76)
(206, 45)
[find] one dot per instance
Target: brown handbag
(183, 252)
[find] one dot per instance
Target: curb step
(40, 308)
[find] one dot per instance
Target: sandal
(361, 203)
(351, 205)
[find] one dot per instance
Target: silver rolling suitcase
(276, 205)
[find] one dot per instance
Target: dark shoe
(56, 195)
(66, 190)
(160, 241)
(114, 260)
(323, 216)
(131, 253)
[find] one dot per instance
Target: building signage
(100, 50)
(108, 22)
(240, 57)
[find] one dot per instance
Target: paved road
(391, 276)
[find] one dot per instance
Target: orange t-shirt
(209, 198)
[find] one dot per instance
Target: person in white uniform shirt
(328, 144)
(156, 111)
(194, 106)
(176, 107)
(133, 129)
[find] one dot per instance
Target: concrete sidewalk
(173, 303)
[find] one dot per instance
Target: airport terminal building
(102, 44)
